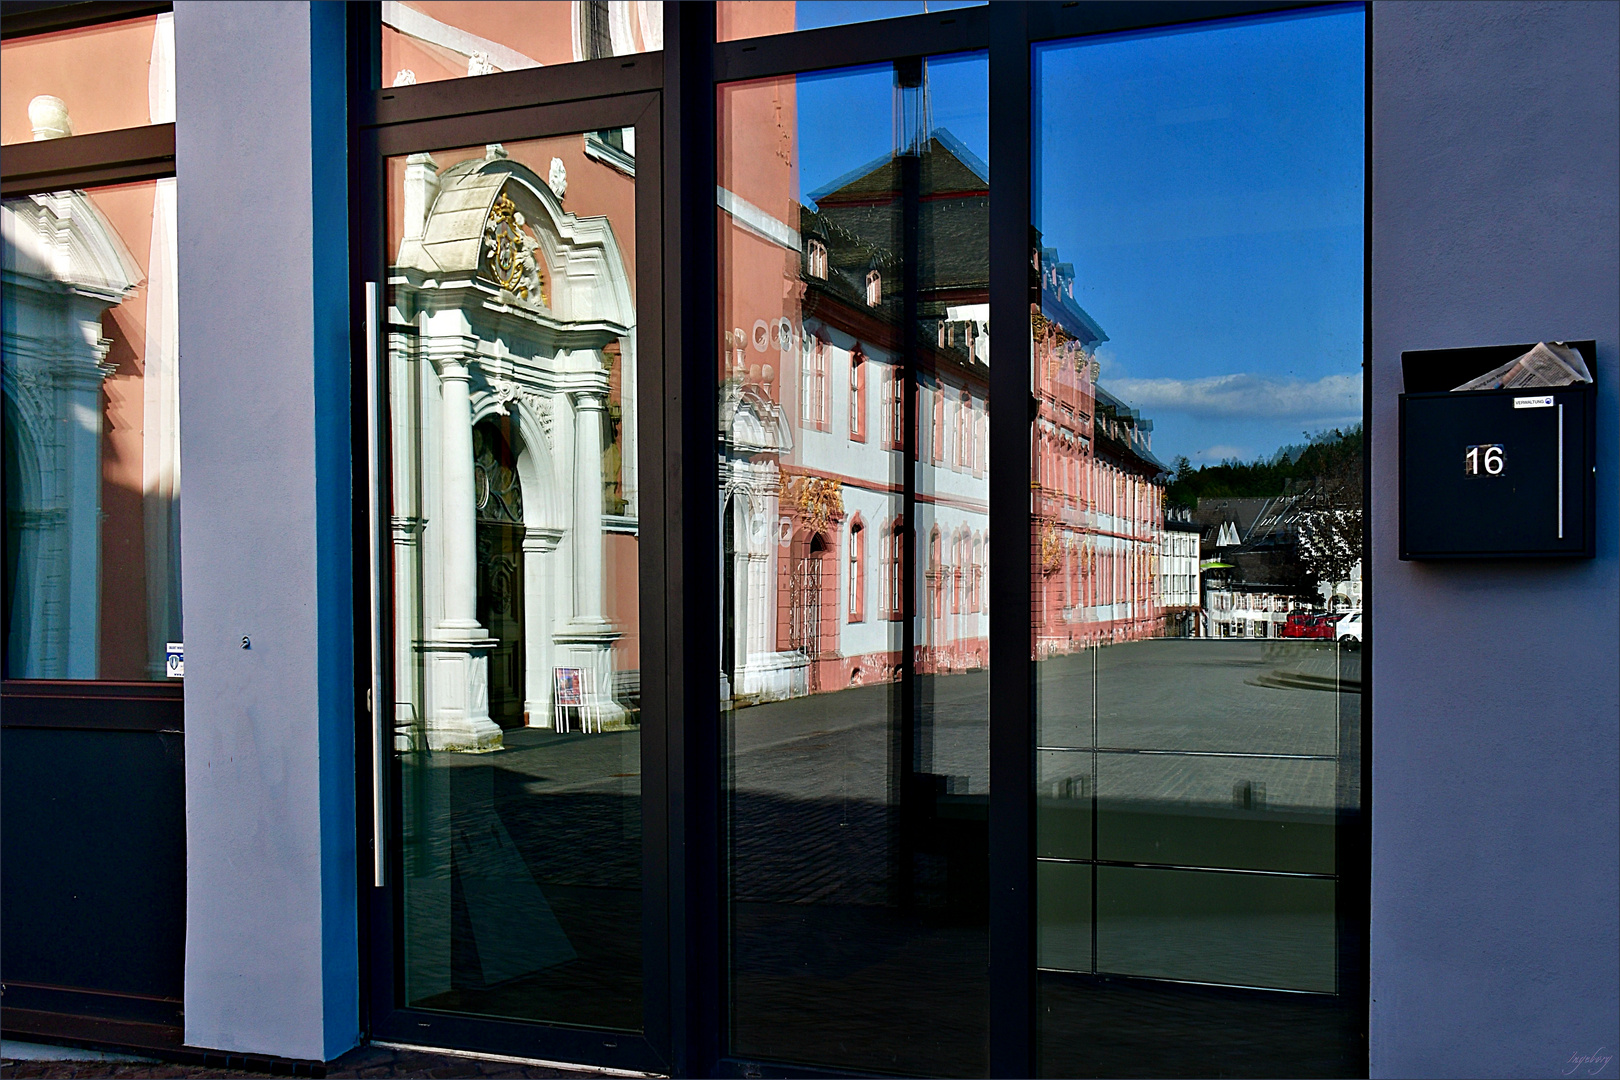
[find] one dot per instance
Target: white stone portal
(502, 304)
(65, 268)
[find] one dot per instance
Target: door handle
(375, 696)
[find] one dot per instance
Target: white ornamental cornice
(508, 392)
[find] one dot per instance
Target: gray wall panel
(1495, 685)
(271, 948)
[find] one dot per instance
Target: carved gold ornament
(510, 250)
(1051, 550)
(819, 500)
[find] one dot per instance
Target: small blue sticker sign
(174, 662)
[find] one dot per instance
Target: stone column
(588, 410)
(458, 657)
(539, 547)
(458, 505)
(587, 639)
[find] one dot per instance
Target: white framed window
(816, 259)
(813, 384)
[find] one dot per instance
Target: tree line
(1332, 457)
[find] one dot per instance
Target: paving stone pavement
(365, 1061)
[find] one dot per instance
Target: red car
(1305, 624)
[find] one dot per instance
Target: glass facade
(511, 346)
(791, 854)
(621, 626)
(1196, 558)
(853, 405)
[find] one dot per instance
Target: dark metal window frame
(685, 938)
(123, 156)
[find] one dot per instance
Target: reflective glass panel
(1196, 556)
(96, 78)
(511, 368)
(853, 395)
(754, 18)
(430, 40)
(92, 435)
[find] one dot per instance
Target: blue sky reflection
(1207, 186)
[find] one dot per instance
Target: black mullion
(1012, 758)
(1096, 800)
(532, 122)
(904, 767)
(1048, 21)
(652, 600)
(92, 706)
(80, 161)
(609, 77)
(25, 19)
(878, 42)
(486, 1035)
(690, 471)
(1353, 897)
(367, 228)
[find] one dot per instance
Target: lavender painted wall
(1496, 686)
(272, 957)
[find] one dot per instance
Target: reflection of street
(839, 956)
(523, 886)
(1189, 694)
(1225, 756)
(832, 948)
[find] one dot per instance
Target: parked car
(1349, 627)
(1307, 624)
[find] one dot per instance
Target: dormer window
(874, 288)
(816, 259)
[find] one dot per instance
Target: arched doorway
(499, 515)
(805, 606)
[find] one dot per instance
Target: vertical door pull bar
(375, 697)
(1560, 470)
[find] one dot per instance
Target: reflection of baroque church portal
(66, 269)
(507, 316)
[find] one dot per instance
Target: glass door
(519, 911)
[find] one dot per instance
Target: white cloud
(1222, 452)
(1253, 396)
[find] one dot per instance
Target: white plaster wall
(271, 950)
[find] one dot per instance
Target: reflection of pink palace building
(812, 426)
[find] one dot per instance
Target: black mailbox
(1489, 474)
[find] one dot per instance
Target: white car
(1349, 628)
